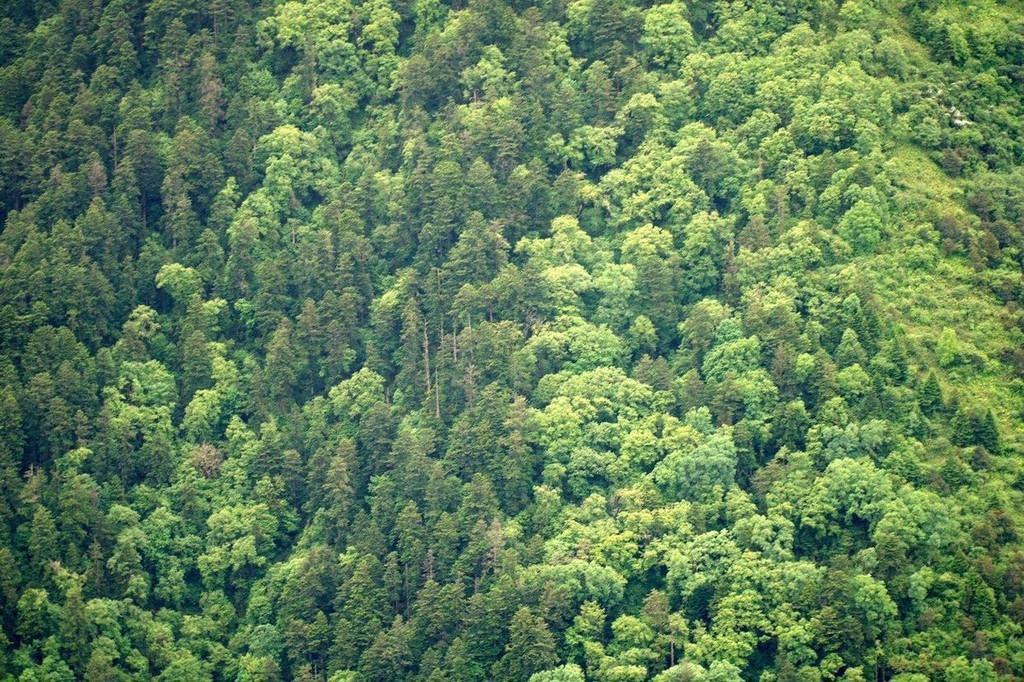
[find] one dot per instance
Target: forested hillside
(494, 340)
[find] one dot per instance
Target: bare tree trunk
(455, 337)
(437, 395)
(426, 356)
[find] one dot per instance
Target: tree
(42, 541)
(861, 227)
(667, 36)
(479, 254)
(947, 348)
(390, 656)
(849, 351)
(988, 432)
(651, 252)
(694, 474)
(930, 396)
(36, 614)
(283, 365)
(73, 626)
(569, 672)
(339, 485)
(363, 608)
(963, 429)
(239, 541)
(459, 664)
(319, 32)
(530, 648)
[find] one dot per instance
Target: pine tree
(390, 655)
(73, 628)
(363, 607)
(283, 365)
(963, 429)
(42, 542)
(459, 664)
(530, 648)
(987, 432)
(850, 351)
(930, 396)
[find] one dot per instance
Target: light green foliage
(569, 672)
(181, 282)
(567, 244)
(353, 397)
(205, 412)
(861, 227)
(295, 169)
(239, 537)
(583, 581)
(487, 79)
(600, 340)
(849, 491)
(320, 31)
(668, 36)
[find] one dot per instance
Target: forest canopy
(612, 340)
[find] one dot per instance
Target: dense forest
(612, 340)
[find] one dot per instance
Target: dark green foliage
(530, 648)
(930, 396)
(373, 340)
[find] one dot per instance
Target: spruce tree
(930, 396)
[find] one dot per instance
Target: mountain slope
(592, 340)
